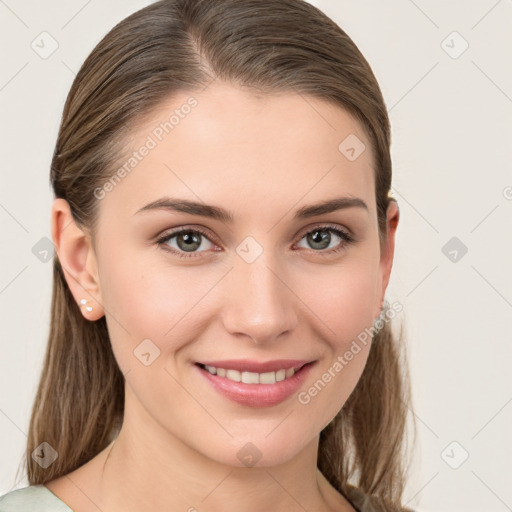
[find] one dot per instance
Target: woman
(225, 236)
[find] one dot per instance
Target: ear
(78, 260)
(387, 251)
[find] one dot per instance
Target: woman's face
(269, 284)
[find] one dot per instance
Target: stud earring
(87, 308)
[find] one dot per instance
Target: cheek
(344, 302)
(164, 304)
(148, 326)
(343, 298)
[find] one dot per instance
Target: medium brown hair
(182, 45)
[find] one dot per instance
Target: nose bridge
(258, 303)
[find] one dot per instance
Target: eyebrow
(223, 215)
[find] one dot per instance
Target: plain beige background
(444, 69)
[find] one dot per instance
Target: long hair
(180, 45)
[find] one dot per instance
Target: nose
(260, 305)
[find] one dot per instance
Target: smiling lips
(251, 372)
(255, 384)
(252, 377)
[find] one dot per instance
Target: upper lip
(247, 365)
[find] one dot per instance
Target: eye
(321, 237)
(185, 242)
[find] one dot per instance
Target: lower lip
(257, 395)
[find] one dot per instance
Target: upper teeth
(252, 377)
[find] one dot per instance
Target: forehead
(227, 144)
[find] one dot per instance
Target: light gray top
(34, 498)
(38, 498)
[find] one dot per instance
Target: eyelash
(347, 239)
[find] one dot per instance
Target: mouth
(253, 377)
(255, 384)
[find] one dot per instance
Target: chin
(261, 449)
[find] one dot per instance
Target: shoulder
(34, 498)
(366, 503)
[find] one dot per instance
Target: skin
(261, 157)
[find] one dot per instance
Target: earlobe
(78, 260)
